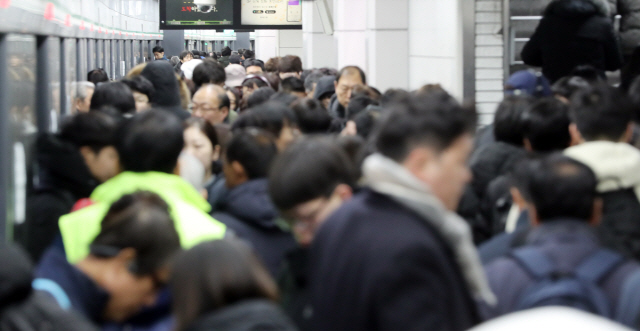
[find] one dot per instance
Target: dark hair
(235, 59)
(260, 96)
(273, 79)
(392, 96)
(254, 149)
(195, 53)
(216, 274)
(560, 187)
(435, 120)
(312, 80)
(631, 72)
(588, 72)
(97, 76)
(546, 125)
(115, 94)
(292, 84)
(254, 62)
(272, 64)
(284, 98)
(290, 63)
(184, 54)
(508, 122)
(158, 49)
(93, 129)
(351, 70)
(567, 86)
(270, 116)
(150, 141)
(226, 51)
(255, 80)
(634, 98)
(248, 54)
(139, 84)
(366, 120)
(141, 221)
(357, 105)
(209, 72)
(309, 169)
(601, 112)
(311, 116)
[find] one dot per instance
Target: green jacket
(188, 208)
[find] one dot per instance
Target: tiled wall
(489, 58)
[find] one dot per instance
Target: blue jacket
(567, 242)
(248, 211)
(73, 290)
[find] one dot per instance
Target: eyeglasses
(203, 107)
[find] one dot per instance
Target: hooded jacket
(248, 211)
(617, 168)
(629, 10)
(63, 178)
(23, 309)
(188, 209)
(247, 315)
(166, 93)
(573, 33)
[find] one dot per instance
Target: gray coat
(629, 10)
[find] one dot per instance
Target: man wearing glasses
(211, 103)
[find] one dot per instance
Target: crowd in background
(221, 192)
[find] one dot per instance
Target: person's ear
(576, 137)
(518, 199)
(533, 216)
(176, 170)
(527, 145)
(628, 133)
(238, 169)
(335, 85)
(343, 191)
(417, 160)
(216, 153)
(126, 257)
(225, 110)
(87, 154)
(596, 214)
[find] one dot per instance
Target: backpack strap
(628, 308)
(534, 262)
(598, 265)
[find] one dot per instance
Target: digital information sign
(230, 14)
(196, 14)
(271, 12)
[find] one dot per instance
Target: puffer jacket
(248, 211)
(573, 33)
(629, 10)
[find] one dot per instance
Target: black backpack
(581, 288)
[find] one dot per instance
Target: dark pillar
(173, 42)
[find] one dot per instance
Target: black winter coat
(573, 33)
(377, 266)
(21, 308)
(63, 178)
(248, 211)
(248, 315)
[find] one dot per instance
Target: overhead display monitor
(230, 14)
(271, 12)
(196, 14)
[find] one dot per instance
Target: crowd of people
(221, 192)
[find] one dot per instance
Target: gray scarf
(387, 177)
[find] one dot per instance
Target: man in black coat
(70, 165)
(573, 33)
(247, 209)
(395, 257)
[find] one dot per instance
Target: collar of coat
(387, 177)
(615, 164)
